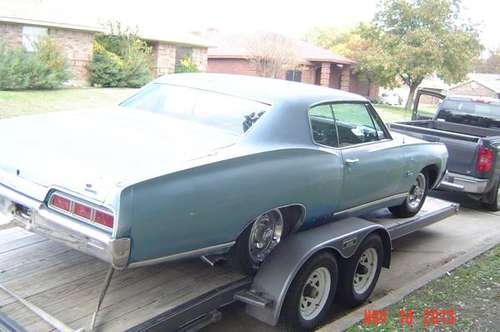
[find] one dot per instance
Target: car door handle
(351, 162)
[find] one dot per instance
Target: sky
(293, 18)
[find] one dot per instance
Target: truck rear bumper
(464, 183)
(33, 216)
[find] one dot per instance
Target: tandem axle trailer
(47, 286)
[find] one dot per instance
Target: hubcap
(417, 192)
(365, 270)
(315, 293)
(265, 235)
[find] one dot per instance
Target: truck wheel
(415, 199)
(359, 274)
(257, 242)
(492, 199)
(311, 294)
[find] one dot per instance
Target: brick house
(317, 65)
(76, 42)
(481, 85)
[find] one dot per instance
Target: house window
(181, 53)
(294, 75)
(31, 35)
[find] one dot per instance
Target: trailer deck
(66, 283)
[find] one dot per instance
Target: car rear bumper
(34, 216)
(463, 183)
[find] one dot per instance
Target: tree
(490, 65)
(271, 53)
(411, 39)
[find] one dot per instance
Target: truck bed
(66, 283)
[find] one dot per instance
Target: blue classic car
(203, 164)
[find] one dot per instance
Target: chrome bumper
(464, 183)
(62, 229)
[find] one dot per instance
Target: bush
(46, 68)
(186, 65)
(120, 61)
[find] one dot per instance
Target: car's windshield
(225, 112)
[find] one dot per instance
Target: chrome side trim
(367, 205)
(217, 249)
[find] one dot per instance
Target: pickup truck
(470, 129)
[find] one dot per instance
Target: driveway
(414, 256)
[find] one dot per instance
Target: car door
(373, 163)
(426, 104)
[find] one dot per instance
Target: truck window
(473, 113)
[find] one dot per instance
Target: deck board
(65, 283)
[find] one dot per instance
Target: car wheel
(257, 242)
(415, 199)
(311, 294)
(492, 199)
(359, 274)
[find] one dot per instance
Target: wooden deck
(66, 283)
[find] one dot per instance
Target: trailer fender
(274, 277)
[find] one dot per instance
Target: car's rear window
(475, 113)
(233, 114)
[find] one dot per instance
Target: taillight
(484, 159)
(80, 210)
(104, 219)
(60, 202)
(83, 211)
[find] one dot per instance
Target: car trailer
(46, 286)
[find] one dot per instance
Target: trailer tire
(311, 294)
(410, 207)
(357, 280)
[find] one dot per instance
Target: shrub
(46, 68)
(120, 61)
(186, 65)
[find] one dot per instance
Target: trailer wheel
(311, 294)
(359, 274)
(415, 199)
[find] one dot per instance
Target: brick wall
(163, 58)
(199, 56)
(78, 48)
(473, 89)
(11, 34)
(231, 66)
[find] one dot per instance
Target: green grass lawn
(472, 291)
(15, 103)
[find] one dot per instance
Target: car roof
(485, 100)
(266, 90)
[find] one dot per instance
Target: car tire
(359, 274)
(310, 296)
(257, 241)
(415, 199)
(492, 199)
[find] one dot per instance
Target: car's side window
(323, 125)
(355, 124)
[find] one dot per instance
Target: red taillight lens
(60, 202)
(484, 159)
(82, 211)
(104, 218)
